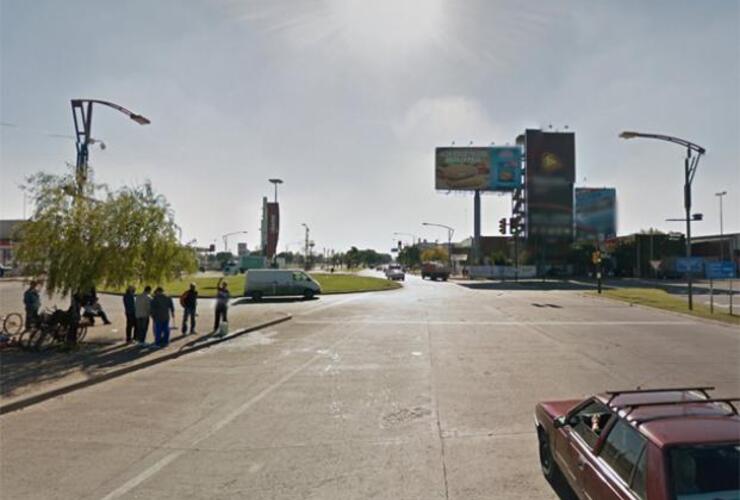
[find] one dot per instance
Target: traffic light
(212, 248)
(400, 245)
(596, 257)
(502, 226)
(514, 225)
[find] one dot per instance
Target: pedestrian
(92, 308)
(222, 304)
(189, 303)
(143, 309)
(162, 308)
(129, 306)
(32, 302)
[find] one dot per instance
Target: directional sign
(720, 270)
(689, 264)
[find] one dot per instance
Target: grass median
(330, 284)
(660, 299)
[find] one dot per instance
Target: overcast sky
(346, 100)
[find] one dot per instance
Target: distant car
(4, 270)
(395, 272)
(435, 271)
(647, 444)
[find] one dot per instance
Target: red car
(647, 444)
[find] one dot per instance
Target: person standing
(162, 308)
(129, 306)
(143, 309)
(189, 303)
(32, 303)
(222, 304)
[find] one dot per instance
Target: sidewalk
(27, 376)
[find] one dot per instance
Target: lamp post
(82, 115)
(450, 232)
(306, 264)
(721, 195)
(276, 182)
(690, 164)
(226, 236)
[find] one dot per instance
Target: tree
(409, 256)
(77, 241)
(438, 254)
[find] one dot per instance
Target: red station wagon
(651, 444)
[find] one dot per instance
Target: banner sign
(689, 264)
(273, 229)
(721, 270)
(596, 214)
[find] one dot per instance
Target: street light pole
(306, 264)
(226, 236)
(276, 182)
(450, 232)
(721, 195)
(414, 238)
(690, 164)
(82, 115)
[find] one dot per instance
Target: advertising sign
(273, 229)
(719, 270)
(465, 169)
(689, 264)
(596, 214)
(484, 169)
(550, 176)
(506, 168)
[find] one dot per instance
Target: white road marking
(167, 459)
(502, 323)
(333, 304)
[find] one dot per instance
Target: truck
(435, 270)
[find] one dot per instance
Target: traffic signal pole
(687, 206)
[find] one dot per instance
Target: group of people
(160, 308)
(140, 308)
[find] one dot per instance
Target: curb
(185, 349)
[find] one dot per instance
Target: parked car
(279, 282)
(395, 272)
(4, 270)
(647, 444)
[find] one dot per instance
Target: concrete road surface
(421, 393)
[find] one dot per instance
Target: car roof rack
(638, 421)
(614, 394)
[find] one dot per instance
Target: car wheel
(308, 294)
(547, 463)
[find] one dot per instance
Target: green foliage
(76, 241)
(499, 258)
(410, 256)
(367, 258)
(437, 254)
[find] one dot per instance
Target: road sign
(655, 264)
(720, 270)
(689, 264)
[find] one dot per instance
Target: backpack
(184, 298)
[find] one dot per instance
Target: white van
(279, 283)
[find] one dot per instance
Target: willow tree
(94, 237)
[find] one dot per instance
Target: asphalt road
(421, 393)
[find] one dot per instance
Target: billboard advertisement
(549, 185)
(478, 168)
(596, 214)
(506, 168)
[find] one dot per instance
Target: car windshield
(705, 472)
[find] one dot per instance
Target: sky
(345, 100)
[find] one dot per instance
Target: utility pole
(306, 248)
(721, 227)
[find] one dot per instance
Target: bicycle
(13, 329)
(52, 328)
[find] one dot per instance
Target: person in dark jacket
(92, 308)
(162, 307)
(32, 303)
(189, 303)
(129, 306)
(222, 304)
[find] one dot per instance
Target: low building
(7, 241)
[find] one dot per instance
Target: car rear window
(624, 451)
(707, 471)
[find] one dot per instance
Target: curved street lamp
(690, 164)
(226, 236)
(82, 115)
(450, 232)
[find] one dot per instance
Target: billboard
(478, 168)
(596, 214)
(549, 184)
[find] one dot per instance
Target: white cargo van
(279, 283)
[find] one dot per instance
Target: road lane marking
(502, 323)
(327, 306)
(230, 417)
